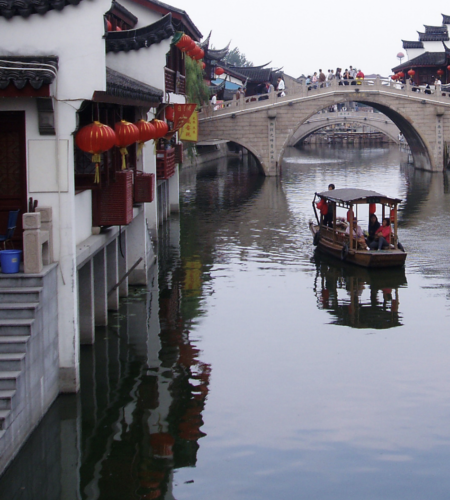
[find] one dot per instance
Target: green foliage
(196, 89)
(236, 58)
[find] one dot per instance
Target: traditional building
(428, 55)
(96, 217)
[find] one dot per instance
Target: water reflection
(228, 370)
(358, 297)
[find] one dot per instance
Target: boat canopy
(352, 196)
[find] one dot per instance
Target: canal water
(252, 368)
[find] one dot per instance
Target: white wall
(146, 65)
(83, 210)
(412, 53)
(433, 46)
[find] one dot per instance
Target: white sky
(303, 36)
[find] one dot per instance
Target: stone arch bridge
(377, 121)
(266, 127)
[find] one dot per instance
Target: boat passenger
(357, 234)
(382, 236)
(328, 217)
(373, 226)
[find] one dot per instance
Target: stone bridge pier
(267, 127)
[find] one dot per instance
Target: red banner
(182, 114)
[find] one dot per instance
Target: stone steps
(20, 280)
(6, 397)
(20, 294)
(18, 310)
(12, 361)
(13, 343)
(8, 379)
(4, 420)
(20, 304)
(16, 327)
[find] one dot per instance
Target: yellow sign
(189, 132)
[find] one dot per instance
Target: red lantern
(203, 65)
(219, 71)
(394, 77)
(162, 443)
(190, 46)
(448, 68)
(161, 128)
(118, 28)
(401, 74)
(169, 113)
(199, 55)
(95, 138)
(194, 52)
(372, 208)
(183, 42)
(440, 72)
(126, 134)
(147, 132)
(411, 72)
(108, 25)
(393, 214)
(322, 206)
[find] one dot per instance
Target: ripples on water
(254, 369)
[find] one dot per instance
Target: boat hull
(363, 258)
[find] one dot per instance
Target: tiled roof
(445, 19)
(122, 12)
(433, 37)
(24, 8)
(20, 71)
(426, 59)
(178, 15)
(216, 55)
(124, 87)
(256, 73)
(436, 29)
(119, 41)
(412, 45)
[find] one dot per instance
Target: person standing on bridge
(330, 77)
(359, 77)
(322, 78)
(346, 77)
(280, 87)
(437, 84)
(314, 80)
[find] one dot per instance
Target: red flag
(182, 114)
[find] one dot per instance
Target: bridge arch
(420, 149)
(272, 123)
(377, 121)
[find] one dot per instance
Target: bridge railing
(303, 90)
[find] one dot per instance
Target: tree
(196, 89)
(236, 58)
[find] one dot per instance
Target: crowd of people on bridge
(350, 76)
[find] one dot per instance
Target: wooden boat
(336, 242)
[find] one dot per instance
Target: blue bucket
(10, 261)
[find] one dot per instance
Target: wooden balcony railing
(113, 204)
(165, 163)
(175, 82)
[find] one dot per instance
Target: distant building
(428, 54)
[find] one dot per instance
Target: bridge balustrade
(302, 91)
